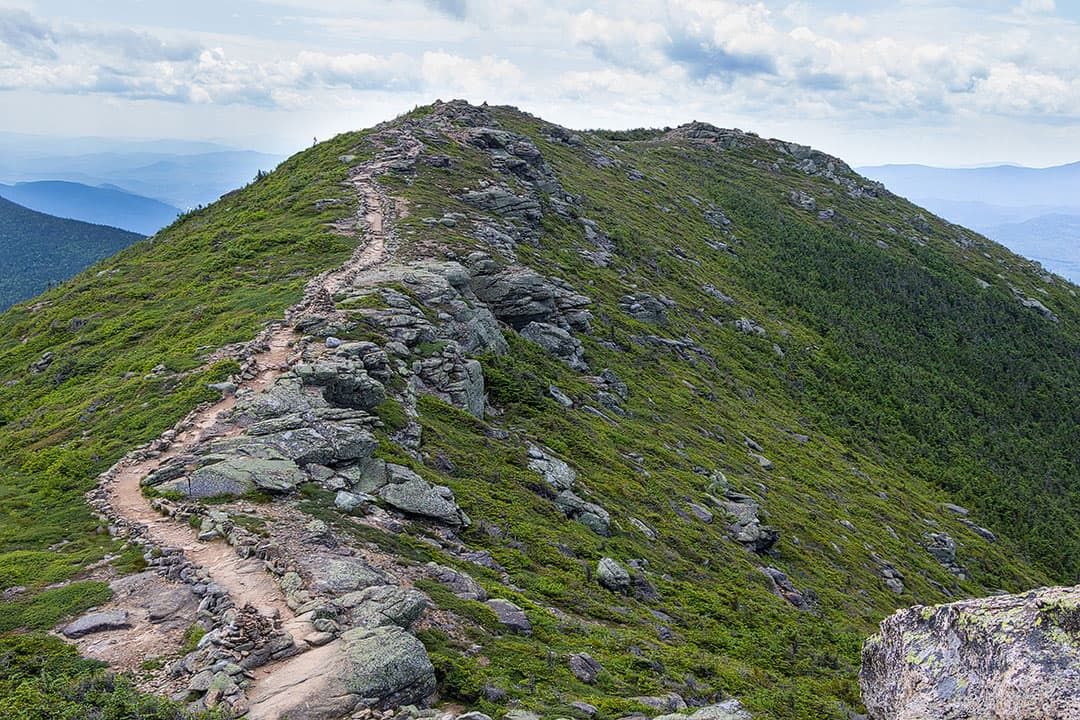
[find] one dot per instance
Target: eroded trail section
(238, 584)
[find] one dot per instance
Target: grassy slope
(900, 368)
(910, 380)
(211, 278)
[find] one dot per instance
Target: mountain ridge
(715, 367)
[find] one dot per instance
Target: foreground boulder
(1010, 657)
(380, 667)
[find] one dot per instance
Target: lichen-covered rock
(410, 493)
(556, 472)
(644, 307)
(304, 439)
(450, 376)
(1011, 657)
(339, 575)
(383, 605)
(726, 710)
(462, 585)
(584, 667)
(511, 616)
(238, 476)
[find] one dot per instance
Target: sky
(942, 82)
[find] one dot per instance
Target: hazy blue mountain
(183, 181)
(1053, 240)
(37, 250)
(105, 205)
(1032, 211)
(180, 173)
(1001, 185)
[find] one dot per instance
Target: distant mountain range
(181, 174)
(1033, 211)
(37, 250)
(99, 205)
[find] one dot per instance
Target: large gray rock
(726, 710)
(501, 200)
(410, 493)
(462, 585)
(556, 472)
(380, 667)
(613, 576)
(584, 667)
(450, 376)
(744, 526)
(96, 622)
(588, 514)
(518, 295)
(644, 307)
(558, 342)
(1011, 657)
(304, 440)
(287, 395)
(238, 476)
(383, 605)
(339, 574)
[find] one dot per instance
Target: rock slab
(96, 622)
(1009, 657)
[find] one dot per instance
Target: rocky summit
(469, 415)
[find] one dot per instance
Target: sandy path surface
(246, 579)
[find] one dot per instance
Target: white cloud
(1037, 6)
(918, 62)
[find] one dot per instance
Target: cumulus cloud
(24, 34)
(765, 57)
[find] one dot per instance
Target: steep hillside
(98, 205)
(609, 422)
(37, 250)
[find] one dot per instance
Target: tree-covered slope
(770, 340)
(37, 250)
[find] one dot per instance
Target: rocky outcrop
(1012, 657)
(744, 525)
(563, 480)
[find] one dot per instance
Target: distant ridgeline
(692, 409)
(39, 250)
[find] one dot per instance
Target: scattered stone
(584, 667)
(556, 472)
(558, 342)
(613, 576)
(783, 587)
(584, 708)
(410, 493)
(461, 584)
(644, 307)
(511, 616)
